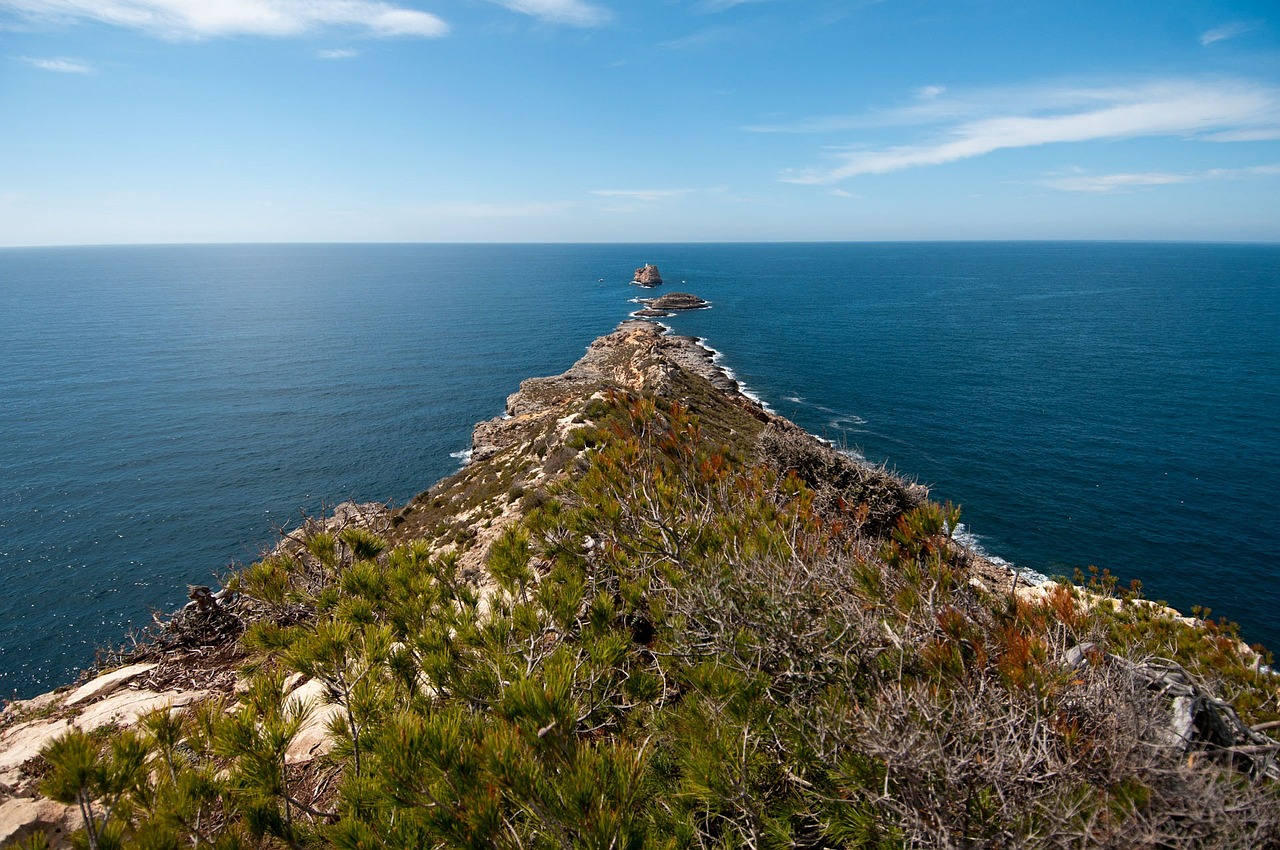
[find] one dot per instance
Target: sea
(166, 410)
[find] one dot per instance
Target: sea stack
(647, 275)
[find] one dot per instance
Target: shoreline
(517, 459)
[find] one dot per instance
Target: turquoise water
(164, 409)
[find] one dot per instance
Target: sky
(177, 121)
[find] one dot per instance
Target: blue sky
(142, 121)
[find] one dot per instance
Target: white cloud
(1227, 31)
(929, 92)
(721, 5)
(1170, 108)
(819, 124)
(339, 53)
(1250, 134)
(61, 64)
(575, 13)
(649, 195)
(702, 38)
(211, 18)
(534, 209)
(1104, 183)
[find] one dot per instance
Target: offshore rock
(672, 301)
(647, 275)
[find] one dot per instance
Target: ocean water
(163, 410)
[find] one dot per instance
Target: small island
(656, 308)
(647, 275)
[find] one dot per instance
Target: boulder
(107, 682)
(313, 740)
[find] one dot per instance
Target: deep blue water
(164, 409)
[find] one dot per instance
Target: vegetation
(686, 645)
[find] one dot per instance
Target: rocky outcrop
(114, 699)
(665, 305)
(638, 357)
(647, 275)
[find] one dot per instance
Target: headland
(647, 607)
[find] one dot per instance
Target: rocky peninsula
(649, 608)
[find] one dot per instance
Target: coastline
(516, 459)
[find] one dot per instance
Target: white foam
(463, 455)
(852, 454)
(794, 399)
(962, 535)
(716, 358)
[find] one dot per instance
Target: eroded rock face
(647, 275)
(20, 743)
(22, 817)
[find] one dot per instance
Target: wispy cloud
(533, 209)
(1227, 31)
(1249, 134)
(929, 92)
(721, 5)
(338, 53)
(575, 13)
(648, 195)
(1125, 181)
(61, 64)
(1168, 108)
(212, 18)
(703, 38)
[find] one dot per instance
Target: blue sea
(164, 410)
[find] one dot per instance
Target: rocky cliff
(638, 561)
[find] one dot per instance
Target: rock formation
(664, 305)
(647, 275)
